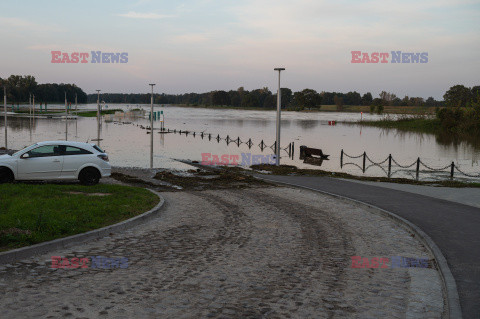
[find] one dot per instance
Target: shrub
(380, 109)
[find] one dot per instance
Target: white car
(56, 160)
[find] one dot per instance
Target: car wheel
(6, 175)
(89, 176)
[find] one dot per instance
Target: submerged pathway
(275, 252)
(454, 227)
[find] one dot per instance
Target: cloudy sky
(204, 45)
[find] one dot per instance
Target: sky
(204, 45)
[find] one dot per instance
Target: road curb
(453, 301)
(15, 255)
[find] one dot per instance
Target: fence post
(364, 160)
(452, 168)
(389, 165)
(238, 141)
(418, 167)
(293, 149)
(341, 159)
(275, 147)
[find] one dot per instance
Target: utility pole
(279, 107)
(151, 128)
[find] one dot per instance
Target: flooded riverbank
(128, 144)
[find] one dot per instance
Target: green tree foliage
(367, 98)
(457, 96)
(220, 98)
(338, 102)
(20, 87)
(307, 98)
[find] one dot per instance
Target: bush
(372, 108)
(380, 109)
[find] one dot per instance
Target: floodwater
(128, 144)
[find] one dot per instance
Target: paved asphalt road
(454, 227)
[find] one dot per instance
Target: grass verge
(32, 213)
(94, 113)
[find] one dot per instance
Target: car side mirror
(26, 155)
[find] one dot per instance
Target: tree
(457, 96)
(367, 98)
(307, 98)
(387, 97)
(475, 94)
(338, 102)
(430, 101)
(352, 98)
(220, 98)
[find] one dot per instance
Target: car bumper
(106, 172)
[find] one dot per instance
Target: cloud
(138, 15)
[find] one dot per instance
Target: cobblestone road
(253, 253)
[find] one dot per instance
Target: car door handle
(56, 161)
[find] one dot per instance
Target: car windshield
(23, 149)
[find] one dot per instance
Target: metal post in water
(364, 160)
(5, 113)
(418, 167)
(98, 104)
(33, 107)
(151, 128)
(76, 106)
(66, 118)
(389, 165)
(341, 159)
(279, 102)
(452, 169)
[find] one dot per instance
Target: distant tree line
(20, 87)
(264, 98)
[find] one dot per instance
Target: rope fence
(289, 149)
(392, 162)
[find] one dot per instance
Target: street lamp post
(279, 106)
(151, 129)
(66, 118)
(5, 114)
(98, 117)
